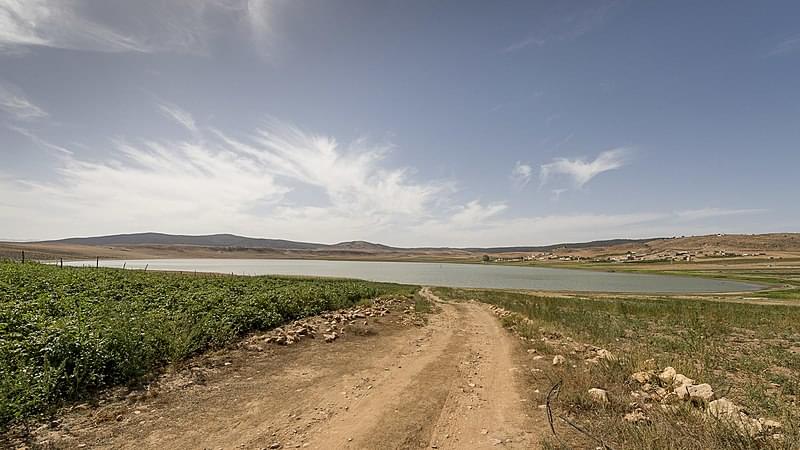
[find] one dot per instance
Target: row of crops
(64, 333)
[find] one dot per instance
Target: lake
(447, 274)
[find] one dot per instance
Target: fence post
(62, 263)
(23, 256)
(97, 264)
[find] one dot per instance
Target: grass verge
(422, 305)
(749, 354)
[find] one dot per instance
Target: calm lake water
(447, 274)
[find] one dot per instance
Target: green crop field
(65, 333)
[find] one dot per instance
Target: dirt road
(453, 383)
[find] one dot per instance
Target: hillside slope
(210, 240)
(160, 245)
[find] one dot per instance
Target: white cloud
(521, 174)
(475, 214)
(14, 102)
(788, 45)
(141, 26)
(566, 21)
(707, 213)
(258, 15)
(247, 184)
(179, 115)
(152, 186)
(39, 141)
(220, 183)
(353, 178)
(580, 171)
(525, 43)
(57, 24)
(557, 193)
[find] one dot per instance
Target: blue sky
(408, 123)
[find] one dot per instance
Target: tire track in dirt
(396, 413)
(467, 397)
(487, 405)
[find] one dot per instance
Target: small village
(687, 256)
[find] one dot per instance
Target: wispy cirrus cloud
(707, 213)
(566, 22)
(178, 115)
(521, 174)
(353, 177)
(259, 16)
(14, 103)
(39, 141)
(220, 182)
(525, 43)
(145, 26)
(581, 170)
(59, 24)
(245, 183)
(788, 45)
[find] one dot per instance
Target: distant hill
(232, 240)
(214, 245)
(362, 246)
(551, 247)
(210, 240)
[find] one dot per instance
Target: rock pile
(499, 312)
(726, 410)
(519, 319)
(292, 333)
(669, 386)
(331, 325)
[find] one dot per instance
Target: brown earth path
(454, 383)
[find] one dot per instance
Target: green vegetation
(422, 305)
(748, 353)
(762, 273)
(67, 332)
(790, 294)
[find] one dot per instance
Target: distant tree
(486, 258)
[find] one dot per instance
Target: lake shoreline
(487, 276)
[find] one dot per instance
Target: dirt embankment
(456, 382)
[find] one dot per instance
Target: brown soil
(457, 382)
